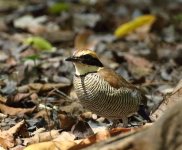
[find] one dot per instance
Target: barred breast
(102, 99)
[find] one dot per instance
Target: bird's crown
(79, 53)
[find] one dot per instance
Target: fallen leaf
(33, 57)
(17, 127)
(18, 147)
(64, 141)
(100, 136)
(39, 87)
(26, 21)
(33, 25)
(52, 145)
(42, 137)
(7, 138)
(47, 86)
(83, 40)
(57, 8)
(134, 24)
(37, 29)
(82, 130)
(43, 146)
(66, 121)
(116, 131)
(137, 61)
(15, 111)
(18, 97)
(39, 43)
(138, 65)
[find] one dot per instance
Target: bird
(103, 91)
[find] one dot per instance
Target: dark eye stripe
(90, 60)
(87, 56)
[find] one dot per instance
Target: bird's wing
(114, 79)
(117, 81)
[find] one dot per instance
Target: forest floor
(37, 99)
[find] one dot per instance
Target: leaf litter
(38, 105)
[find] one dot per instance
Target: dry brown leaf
(47, 86)
(65, 136)
(15, 111)
(16, 128)
(18, 147)
(175, 97)
(38, 131)
(42, 137)
(137, 61)
(38, 87)
(7, 138)
(34, 96)
(82, 129)
(43, 114)
(138, 65)
(43, 146)
(36, 29)
(52, 145)
(63, 142)
(20, 96)
(6, 141)
(100, 136)
(116, 131)
(66, 122)
(83, 40)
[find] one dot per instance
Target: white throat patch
(82, 69)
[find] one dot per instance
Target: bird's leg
(125, 121)
(114, 124)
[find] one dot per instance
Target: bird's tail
(144, 113)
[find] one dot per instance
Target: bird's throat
(81, 69)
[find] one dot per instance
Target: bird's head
(85, 61)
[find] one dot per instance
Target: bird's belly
(105, 105)
(108, 108)
(104, 102)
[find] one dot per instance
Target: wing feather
(117, 81)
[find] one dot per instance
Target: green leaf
(39, 43)
(178, 17)
(58, 7)
(32, 57)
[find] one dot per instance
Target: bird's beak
(73, 59)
